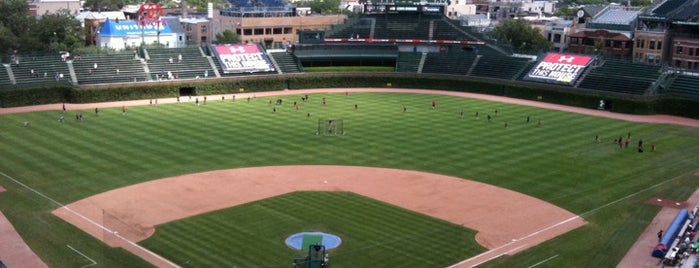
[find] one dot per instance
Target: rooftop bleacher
(621, 77)
(114, 67)
(667, 7)
(502, 67)
(183, 63)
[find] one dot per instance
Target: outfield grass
(558, 162)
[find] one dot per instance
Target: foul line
(512, 242)
(592, 211)
(93, 262)
(60, 205)
(542, 262)
(589, 212)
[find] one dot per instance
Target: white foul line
(512, 242)
(84, 256)
(587, 213)
(541, 262)
(90, 221)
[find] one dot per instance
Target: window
(268, 30)
(690, 51)
(238, 31)
(287, 30)
(203, 28)
(277, 31)
(259, 31)
(557, 38)
(660, 45)
(247, 31)
(651, 45)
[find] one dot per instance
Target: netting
(330, 127)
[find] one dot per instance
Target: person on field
(660, 235)
(434, 104)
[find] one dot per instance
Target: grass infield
(559, 162)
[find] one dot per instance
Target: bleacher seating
(526, 70)
(193, 63)
(444, 31)
(621, 77)
(257, 3)
(361, 28)
(4, 78)
(502, 67)
(47, 70)
(685, 85)
(408, 62)
(391, 26)
(129, 68)
(287, 62)
(448, 63)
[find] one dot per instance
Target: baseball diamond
(508, 190)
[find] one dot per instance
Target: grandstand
(684, 85)
(193, 62)
(621, 77)
(120, 67)
(287, 62)
(408, 62)
(48, 71)
(458, 63)
(500, 67)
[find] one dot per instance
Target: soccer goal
(330, 127)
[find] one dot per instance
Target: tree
(14, 23)
(60, 30)
(227, 37)
(523, 37)
(323, 6)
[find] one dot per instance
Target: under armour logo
(568, 59)
(239, 49)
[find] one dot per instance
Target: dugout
(673, 230)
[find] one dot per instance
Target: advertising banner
(557, 68)
(242, 58)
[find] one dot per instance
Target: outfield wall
(622, 103)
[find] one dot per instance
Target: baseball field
(564, 159)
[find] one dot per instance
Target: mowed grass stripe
(558, 161)
(390, 240)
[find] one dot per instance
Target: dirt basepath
(507, 222)
(13, 251)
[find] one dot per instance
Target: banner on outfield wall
(557, 68)
(242, 58)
